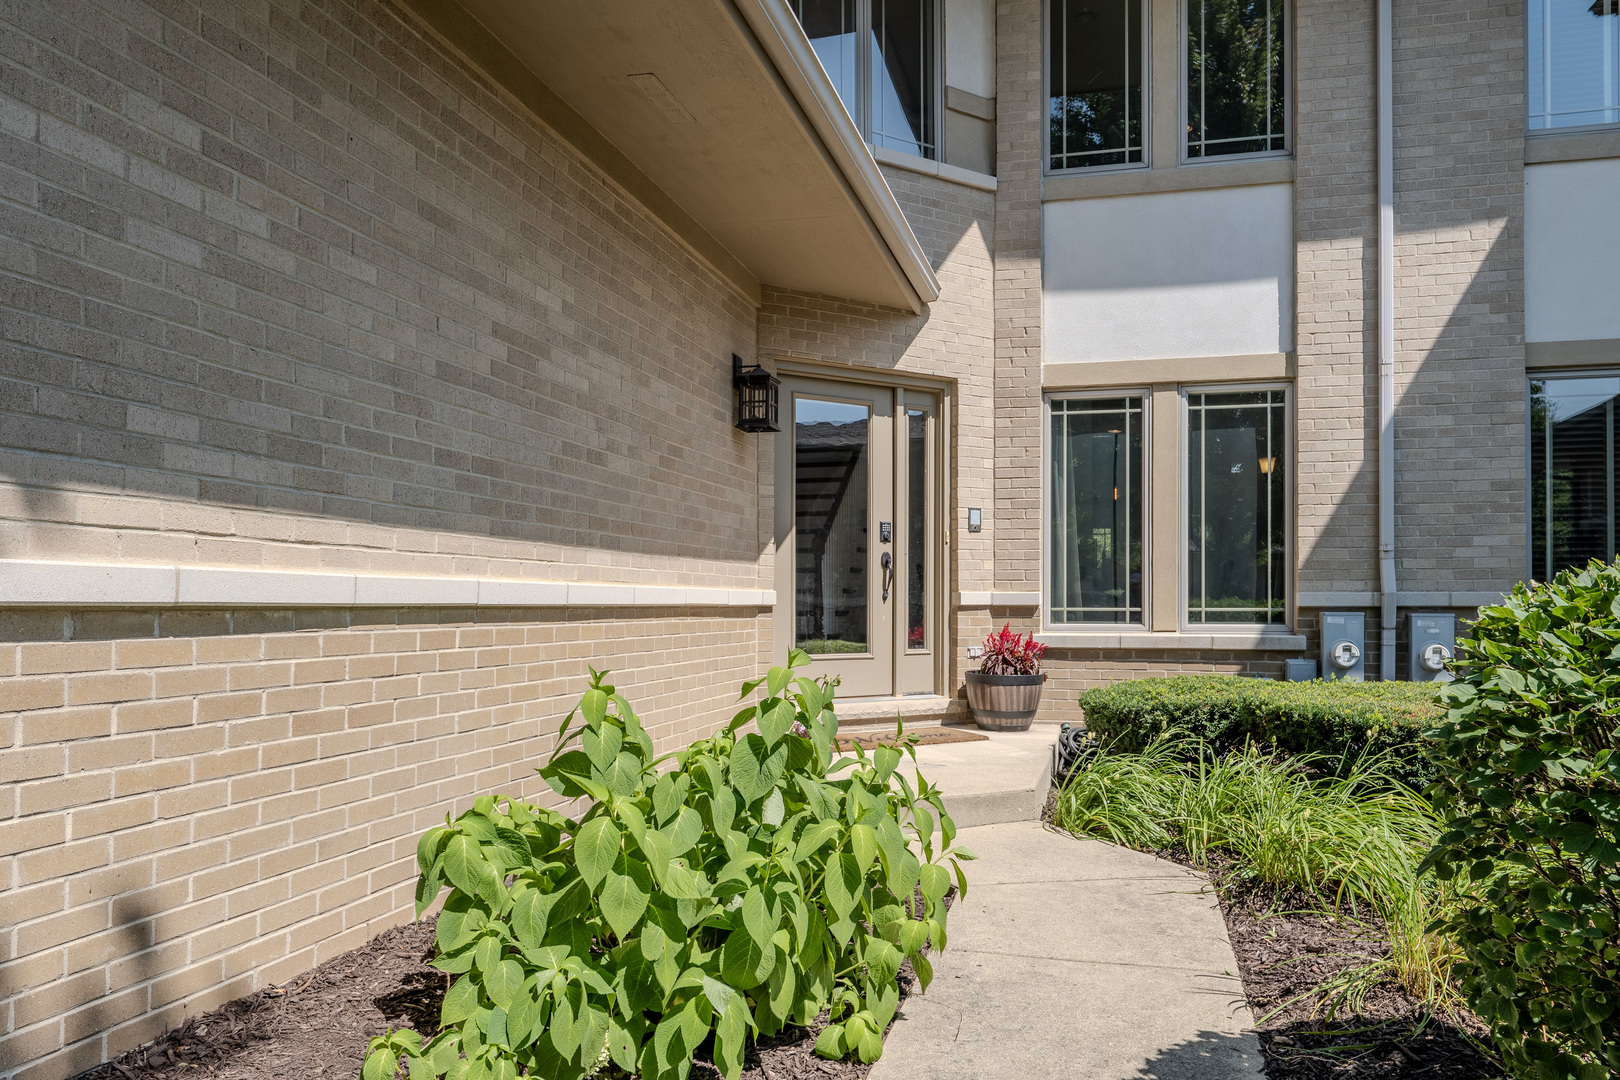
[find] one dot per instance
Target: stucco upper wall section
(1189, 273)
(970, 46)
(1571, 250)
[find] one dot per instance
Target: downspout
(1386, 340)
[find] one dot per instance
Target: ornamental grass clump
(1354, 842)
(698, 900)
(1529, 779)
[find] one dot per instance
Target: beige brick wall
(185, 819)
(286, 285)
(1459, 295)
(1021, 130)
(1336, 234)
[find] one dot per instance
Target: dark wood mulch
(318, 1025)
(1286, 946)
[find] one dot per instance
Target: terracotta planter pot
(1004, 702)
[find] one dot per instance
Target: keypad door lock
(886, 531)
(1345, 654)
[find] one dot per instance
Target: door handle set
(888, 573)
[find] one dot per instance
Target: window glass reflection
(1096, 508)
(1237, 543)
(830, 512)
(1571, 473)
(1573, 64)
(1235, 83)
(1095, 91)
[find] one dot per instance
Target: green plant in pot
(1005, 693)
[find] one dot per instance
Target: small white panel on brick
(1177, 274)
(1571, 250)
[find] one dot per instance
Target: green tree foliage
(1530, 783)
(751, 885)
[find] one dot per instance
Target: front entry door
(854, 567)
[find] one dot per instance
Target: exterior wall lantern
(756, 396)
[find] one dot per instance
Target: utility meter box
(1431, 643)
(1300, 670)
(1344, 645)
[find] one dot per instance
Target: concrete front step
(1003, 778)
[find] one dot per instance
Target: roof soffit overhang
(769, 181)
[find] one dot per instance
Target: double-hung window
(1095, 503)
(1094, 67)
(882, 56)
(1573, 63)
(1237, 507)
(1572, 463)
(1236, 99)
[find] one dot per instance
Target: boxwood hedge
(1341, 721)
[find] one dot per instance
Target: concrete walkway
(1074, 959)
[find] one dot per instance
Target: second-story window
(1573, 63)
(881, 56)
(1235, 85)
(1094, 81)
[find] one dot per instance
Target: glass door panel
(831, 515)
(835, 558)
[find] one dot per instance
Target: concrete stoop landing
(1068, 958)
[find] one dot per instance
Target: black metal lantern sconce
(756, 396)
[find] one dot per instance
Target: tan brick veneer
(188, 818)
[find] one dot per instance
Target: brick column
(1020, 134)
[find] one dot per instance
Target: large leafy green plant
(745, 883)
(1530, 780)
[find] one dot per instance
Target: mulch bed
(1285, 947)
(315, 1025)
(318, 1024)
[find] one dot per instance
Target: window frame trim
(1184, 515)
(1048, 542)
(1147, 99)
(1184, 86)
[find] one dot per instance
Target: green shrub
(1334, 723)
(1530, 779)
(744, 889)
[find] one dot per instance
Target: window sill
(912, 163)
(1242, 641)
(1583, 144)
(1136, 181)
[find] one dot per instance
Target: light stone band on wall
(997, 599)
(30, 583)
(1240, 642)
(1404, 599)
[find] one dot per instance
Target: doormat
(925, 736)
